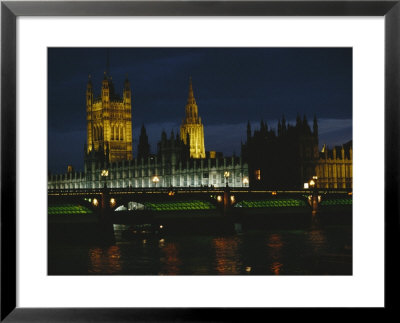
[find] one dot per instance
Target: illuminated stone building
(109, 121)
(180, 161)
(170, 169)
(192, 131)
(334, 168)
(282, 159)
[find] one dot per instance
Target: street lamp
(155, 180)
(314, 197)
(104, 174)
(312, 183)
(245, 181)
(112, 202)
(226, 175)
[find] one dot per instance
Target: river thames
(311, 249)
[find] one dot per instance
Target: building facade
(192, 130)
(334, 168)
(109, 120)
(141, 173)
(284, 159)
(180, 161)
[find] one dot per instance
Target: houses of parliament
(283, 160)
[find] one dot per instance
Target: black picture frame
(10, 10)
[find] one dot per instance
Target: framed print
(195, 152)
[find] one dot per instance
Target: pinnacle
(191, 99)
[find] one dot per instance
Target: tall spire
(283, 124)
(191, 99)
(315, 126)
(191, 106)
(192, 124)
(248, 130)
(143, 146)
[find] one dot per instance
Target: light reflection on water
(226, 255)
(170, 262)
(283, 252)
(105, 261)
(316, 239)
(275, 245)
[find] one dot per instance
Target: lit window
(257, 174)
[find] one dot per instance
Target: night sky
(231, 86)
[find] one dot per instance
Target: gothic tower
(143, 146)
(192, 129)
(109, 120)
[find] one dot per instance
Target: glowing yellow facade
(334, 168)
(109, 120)
(193, 127)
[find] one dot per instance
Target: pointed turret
(315, 126)
(306, 127)
(191, 99)
(90, 80)
(298, 121)
(105, 89)
(263, 129)
(191, 106)
(248, 131)
(127, 91)
(89, 92)
(127, 86)
(283, 124)
(164, 136)
(143, 146)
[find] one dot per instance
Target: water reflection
(105, 261)
(276, 267)
(170, 260)
(316, 238)
(318, 250)
(275, 245)
(227, 257)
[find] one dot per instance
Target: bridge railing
(84, 191)
(133, 190)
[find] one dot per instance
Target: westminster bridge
(193, 199)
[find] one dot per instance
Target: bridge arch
(130, 206)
